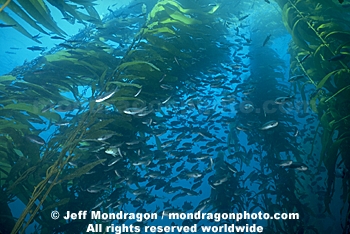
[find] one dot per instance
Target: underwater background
(174, 107)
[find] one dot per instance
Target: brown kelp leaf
(83, 170)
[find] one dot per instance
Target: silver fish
(269, 125)
(142, 162)
(134, 110)
(248, 107)
(295, 78)
(106, 96)
(230, 167)
(296, 132)
(220, 181)
(35, 139)
(193, 174)
(282, 100)
(112, 151)
(144, 113)
(285, 163)
(166, 87)
(163, 102)
(113, 161)
(302, 168)
(137, 94)
(105, 137)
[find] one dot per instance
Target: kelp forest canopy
(179, 106)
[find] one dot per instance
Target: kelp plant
(33, 12)
(57, 173)
(321, 49)
(266, 186)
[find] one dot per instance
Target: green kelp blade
(346, 159)
(345, 190)
(32, 109)
(56, 204)
(18, 152)
(330, 25)
(81, 16)
(98, 133)
(160, 30)
(39, 11)
(181, 17)
(291, 25)
(296, 24)
(145, 51)
(318, 49)
(4, 168)
(7, 78)
(63, 85)
(324, 79)
(64, 7)
(338, 92)
(102, 78)
(39, 90)
(166, 46)
(23, 15)
(325, 119)
(82, 170)
(157, 9)
(12, 124)
(344, 46)
(122, 100)
(16, 169)
(285, 16)
(9, 20)
(22, 192)
(302, 91)
(98, 126)
(177, 5)
(297, 38)
(92, 12)
(59, 56)
(122, 84)
(346, 34)
(330, 160)
(326, 142)
(137, 63)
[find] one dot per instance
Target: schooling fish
(337, 57)
(269, 125)
(57, 37)
(7, 25)
(304, 58)
(285, 163)
(298, 166)
(112, 151)
(106, 96)
(244, 17)
(35, 139)
(295, 78)
(137, 94)
(267, 39)
(282, 100)
(134, 110)
(36, 48)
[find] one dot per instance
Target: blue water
(250, 182)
